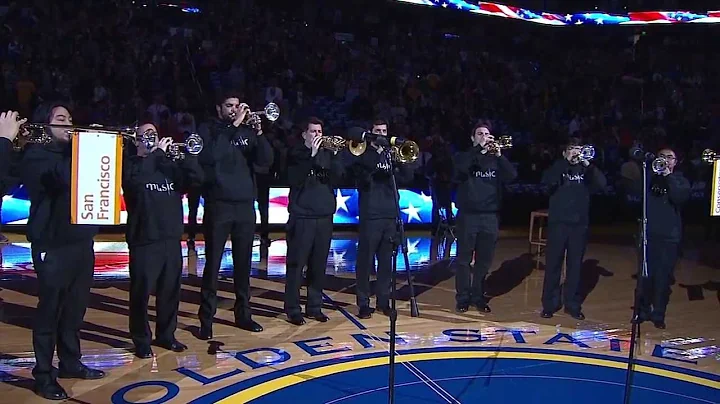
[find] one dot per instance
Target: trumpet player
(480, 173)
(378, 228)
(313, 172)
(231, 148)
(62, 255)
(668, 192)
(153, 186)
(572, 179)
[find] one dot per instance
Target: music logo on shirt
(168, 187)
(485, 174)
(240, 142)
(574, 177)
(321, 174)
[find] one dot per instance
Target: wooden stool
(538, 241)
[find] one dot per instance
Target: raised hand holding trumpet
(10, 124)
(580, 154)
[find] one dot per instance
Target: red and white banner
(715, 195)
(96, 177)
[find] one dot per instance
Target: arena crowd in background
(431, 73)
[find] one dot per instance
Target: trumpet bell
(408, 152)
(587, 153)
(194, 144)
(357, 148)
(659, 165)
(272, 112)
(709, 156)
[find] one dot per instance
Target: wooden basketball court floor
(509, 355)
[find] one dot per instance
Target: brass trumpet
(337, 143)
(503, 142)
(407, 152)
(36, 132)
(193, 145)
(710, 156)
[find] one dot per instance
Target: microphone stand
(398, 241)
(642, 274)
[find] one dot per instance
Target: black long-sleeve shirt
(480, 179)
(571, 187)
(45, 172)
(312, 180)
(153, 187)
(372, 174)
(227, 160)
(665, 199)
(5, 158)
(8, 164)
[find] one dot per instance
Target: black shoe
(546, 314)
(462, 307)
(482, 307)
(205, 333)
(384, 310)
(50, 391)
(296, 319)
(143, 352)
(365, 312)
(318, 317)
(577, 315)
(83, 372)
(249, 325)
(174, 345)
(660, 324)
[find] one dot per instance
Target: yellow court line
(280, 383)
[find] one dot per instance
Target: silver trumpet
(659, 165)
(271, 113)
(193, 145)
(587, 153)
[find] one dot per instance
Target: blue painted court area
(468, 376)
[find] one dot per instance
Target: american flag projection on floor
(111, 258)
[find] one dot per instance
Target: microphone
(357, 134)
(640, 154)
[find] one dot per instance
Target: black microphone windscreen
(356, 134)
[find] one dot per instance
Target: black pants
(220, 220)
(155, 267)
(65, 275)
(376, 237)
(308, 243)
(475, 233)
(562, 238)
(441, 199)
(193, 205)
(655, 290)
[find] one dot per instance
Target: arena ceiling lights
(582, 18)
